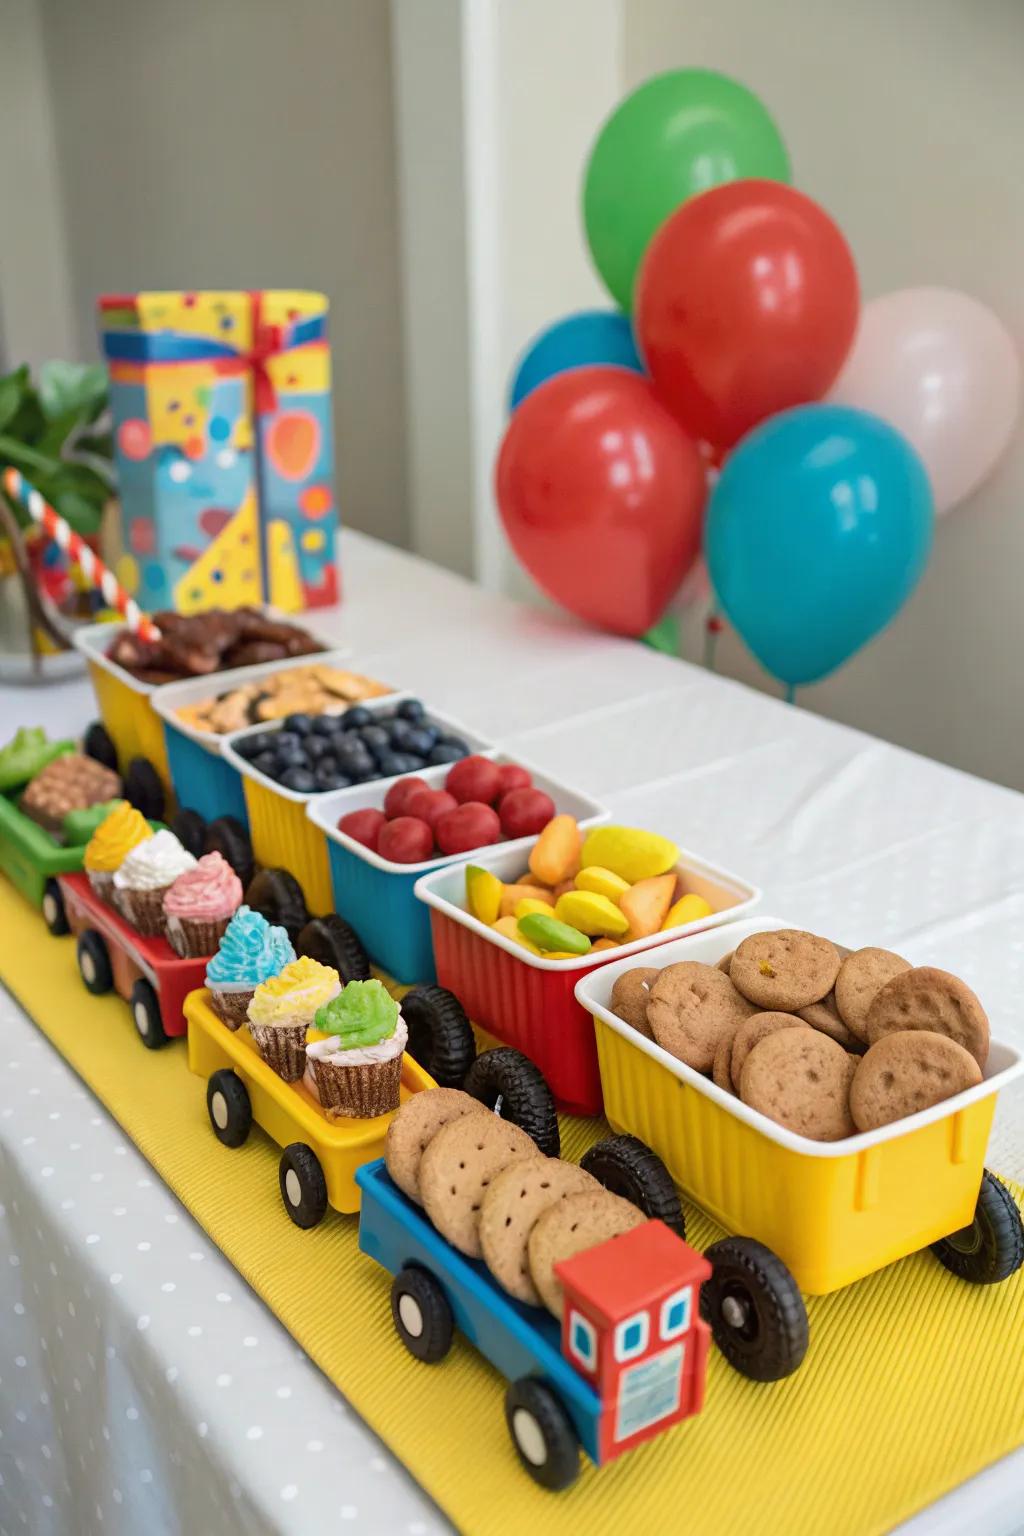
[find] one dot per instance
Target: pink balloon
(944, 371)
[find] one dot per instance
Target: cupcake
(282, 1009)
(111, 843)
(145, 877)
(357, 1067)
(250, 951)
(199, 906)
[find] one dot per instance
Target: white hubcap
(88, 966)
(49, 909)
(529, 1437)
(412, 1317)
(141, 1019)
(292, 1188)
(219, 1110)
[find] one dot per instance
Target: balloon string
(712, 629)
(790, 693)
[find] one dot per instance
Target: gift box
(222, 431)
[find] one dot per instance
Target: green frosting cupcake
(27, 755)
(363, 1013)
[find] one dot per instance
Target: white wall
(905, 118)
(243, 143)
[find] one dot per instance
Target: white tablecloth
(143, 1386)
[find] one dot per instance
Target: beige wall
(244, 143)
(906, 119)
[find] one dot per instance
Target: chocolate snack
(194, 645)
(67, 784)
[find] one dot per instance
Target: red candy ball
(396, 800)
(469, 826)
(525, 812)
(428, 804)
(474, 778)
(406, 840)
(512, 776)
(364, 826)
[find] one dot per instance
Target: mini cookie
(630, 996)
(691, 1007)
(752, 1031)
(861, 977)
(908, 1071)
(784, 969)
(415, 1125)
(578, 1222)
(721, 1067)
(516, 1198)
(801, 1079)
(927, 998)
(825, 1017)
(457, 1167)
(726, 962)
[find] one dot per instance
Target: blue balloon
(817, 533)
(592, 336)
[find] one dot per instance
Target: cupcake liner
(102, 882)
(358, 1093)
(143, 909)
(230, 1004)
(191, 938)
(283, 1047)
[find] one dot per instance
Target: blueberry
(389, 763)
(327, 764)
(350, 751)
(299, 779)
(457, 742)
(421, 740)
(284, 741)
(411, 762)
(324, 725)
(266, 762)
(332, 779)
(444, 752)
(399, 732)
(250, 747)
(374, 736)
(301, 724)
(356, 716)
(316, 746)
(410, 709)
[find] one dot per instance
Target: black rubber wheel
(303, 1186)
(440, 1035)
(278, 896)
(422, 1316)
(757, 1315)
(626, 1166)
(542, 1433)
(190, 830)
(226, 835)
(145, 1006)
(991, 1249)
(142, 787)
(54, 915)
(97, 744)
(507, 1076)
(331, 941)
(229, 1107)
(94, 962)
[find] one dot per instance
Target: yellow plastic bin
(288, 1112)
(832, 1211)
(124, 703)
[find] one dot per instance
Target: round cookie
(630, 995)
(825, 1017)
(861, 977)
(905, 1072)
(754, 1030)
(801, 1080)
(726, 961)
(784, 969)
(721, 1067)
(414, 1127)
(691, 1007)
(516, 1198)
(457, 1167)
(927, 998)
(578, 1222)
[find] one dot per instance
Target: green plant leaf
(13, 389)
(83, 516)
(78, 387)
(25, 458)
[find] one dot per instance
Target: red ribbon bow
(267, 341)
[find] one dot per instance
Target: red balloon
(746, 303)
(601, 493)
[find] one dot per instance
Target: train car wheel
(440, 1035)
(755, 1309)
(190, 830)
(54, 915)
(277, 895)
(145, 1006)
(97, 744)
(226, 835)
(505, 1080)
(628, 1167)
(331, 941)
(229, 1107)
(991, 1249)
(542, 1433)
(303, 1186)
(94, 963)
(142, 787)
(422, 1317)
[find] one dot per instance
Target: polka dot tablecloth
(143, 1386)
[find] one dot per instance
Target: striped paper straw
(100, 576)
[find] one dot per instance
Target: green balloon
(678, 134)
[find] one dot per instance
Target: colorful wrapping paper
(222, 418)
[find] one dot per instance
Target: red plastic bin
(529, 1002)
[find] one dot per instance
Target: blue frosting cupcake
(251, 950)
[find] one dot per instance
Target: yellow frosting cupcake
(296, 993)
(114, 839)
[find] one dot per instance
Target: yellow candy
(510, 928)
(556, 853)
(562, 954)
(603, 944)
(629, 852)
(602, 882)
(591, 914)
(483, 893)
(687, 910)
(521, 891)
(531, 904)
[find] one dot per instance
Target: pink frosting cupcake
(199, 906)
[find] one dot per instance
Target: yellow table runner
(913, 1382)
